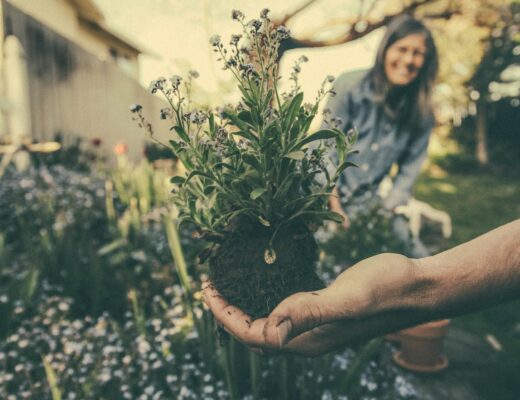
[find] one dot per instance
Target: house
(66, 71)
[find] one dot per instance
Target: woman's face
(404, 59)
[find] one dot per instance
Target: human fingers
(315, 342)
(298, 313)
(235, 321)
(346, 222)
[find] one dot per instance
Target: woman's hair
(412, 104)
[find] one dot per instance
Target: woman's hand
(335, 205)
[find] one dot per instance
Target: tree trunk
(481, 134)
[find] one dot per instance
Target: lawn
(478, 203)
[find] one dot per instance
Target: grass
(477, 203)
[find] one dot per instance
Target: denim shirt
(381, 142)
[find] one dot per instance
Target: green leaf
(112, 246)
(181, 132)
(234, 214)
(268, 98)
(223, 164)
(176, 148)
(209, 189)
(251, 160)
(307, 123)
(320, 135)
(295, 155)
(263, 221)
(247, 135)
(211, 123)
(245, 116)
(245, 94)
(185, 159)
(293, 109)
(318, 216)
(331, 216)
(198, 173)
(285, 185)
(177, 180)
(255, 194)
(345, 165)
(52, 380)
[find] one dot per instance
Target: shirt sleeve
(409, 168)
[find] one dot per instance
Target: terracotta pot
(421, 347)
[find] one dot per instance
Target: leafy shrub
(58, 228)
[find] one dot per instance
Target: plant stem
(355, 369)
(255, 372)
(228, 363)
(178, 257)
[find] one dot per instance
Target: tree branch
(291, 14)
(307, 40)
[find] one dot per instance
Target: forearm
(475, 275)
(391, 291)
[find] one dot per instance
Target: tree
(502, 51)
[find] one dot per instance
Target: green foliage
(256, 159)
(370, 233)
(97, 237)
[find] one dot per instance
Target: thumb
(296, 314)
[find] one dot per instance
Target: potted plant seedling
(256, 182)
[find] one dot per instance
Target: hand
(314, 323)
(265, 335)
(335, 205)
(346, 220)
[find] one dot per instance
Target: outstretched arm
(384, 293)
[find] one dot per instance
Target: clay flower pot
(421, 347)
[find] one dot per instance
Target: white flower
(215, 40)
(176, 80)
(237, 15)
(135, 108)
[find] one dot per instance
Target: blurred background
(99, 291)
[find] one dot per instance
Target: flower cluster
(101, 358)
(161, 358)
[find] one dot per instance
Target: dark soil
(241, 275)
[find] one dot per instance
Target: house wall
(74, 93)
(61, 17)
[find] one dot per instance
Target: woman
(390, 107)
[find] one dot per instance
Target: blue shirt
(381, 142)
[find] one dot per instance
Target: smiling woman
(390, 106)
(404, 59)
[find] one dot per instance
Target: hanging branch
(352, 25)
